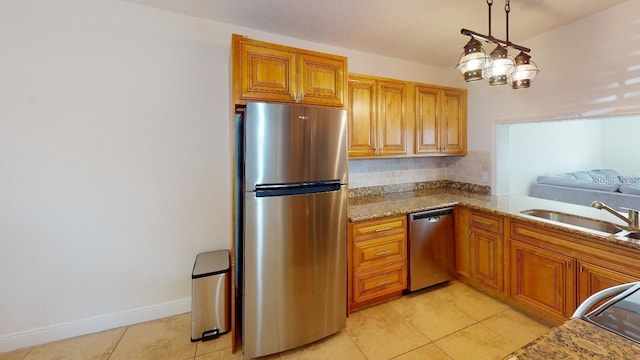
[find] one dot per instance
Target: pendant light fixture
(498, 68)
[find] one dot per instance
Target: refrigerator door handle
(265, 190)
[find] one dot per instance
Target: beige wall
(589, 69)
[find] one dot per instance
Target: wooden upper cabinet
(392, 102)
(322, 79)
(427, 139)
(387, 117)
(440, 120)
(362, 117)
(454, 122)
(377, 116)
(269, 72)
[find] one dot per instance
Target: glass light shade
(524, 72)
(472, 61)
(498, 69)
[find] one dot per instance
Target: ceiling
(425, 31)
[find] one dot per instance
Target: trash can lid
(211, 263)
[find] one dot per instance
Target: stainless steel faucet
(633, 218)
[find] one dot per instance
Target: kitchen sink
(576, 220)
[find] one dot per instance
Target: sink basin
(575, 220)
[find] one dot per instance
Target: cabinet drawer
(378, 252)
(376, 228)
(485, 221)
(384, 280)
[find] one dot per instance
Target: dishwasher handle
(432, 215)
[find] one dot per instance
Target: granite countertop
(580, 340)
(377, 206)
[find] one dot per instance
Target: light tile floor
(451, 322)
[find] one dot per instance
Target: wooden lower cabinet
(479, 247)
(379, 282)
(543, 280)
(463, 256)
(553, 271)
(486, 257)
(377, 260)
(593, 278)
(547, 271)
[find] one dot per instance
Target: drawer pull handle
(383, 229)
(382, 283)
(382, 253)
(483, 222)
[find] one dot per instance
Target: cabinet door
(543, 280)
(593, 278)
(427, 127)
(453, 122)
(392, 100)
(486, 257)
(362, 117)
(321, 79)
(463, 256)
(266, 73)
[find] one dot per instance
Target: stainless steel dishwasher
(431, 248)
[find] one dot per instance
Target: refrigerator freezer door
(294, 144)
(295, 270)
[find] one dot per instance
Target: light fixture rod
(489, 4)
(507, 9)
(489, 38)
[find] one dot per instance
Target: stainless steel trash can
(210, 288)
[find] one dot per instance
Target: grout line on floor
(356, 344)
(27, 354)
(444, 352)
(414, 349)
(499, 335)
(118, 342)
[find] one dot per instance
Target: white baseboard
(71, 329)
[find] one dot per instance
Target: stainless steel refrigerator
(294, 225)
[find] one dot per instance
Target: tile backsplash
(473, 168)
